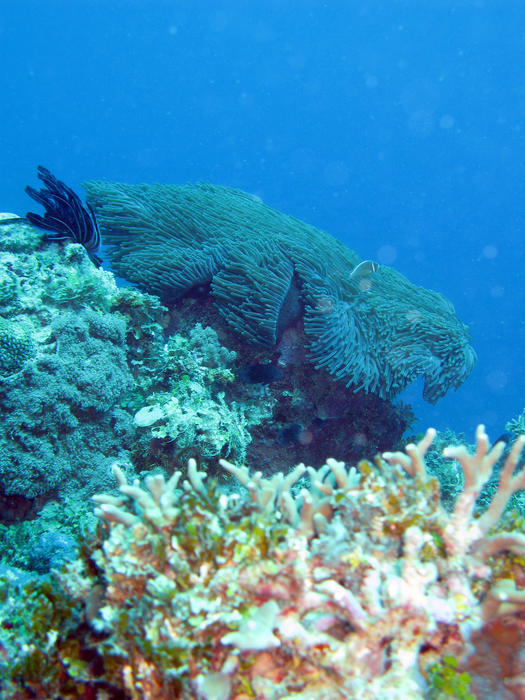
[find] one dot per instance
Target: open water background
(397, 126)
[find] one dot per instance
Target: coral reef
(329, 582)
(516, 426)
(189, 406)
(447, 472)
(63, 369)
(51, 289)
(368, 326)
(16, 347)
(92, 356)
(312, 415)
(335, 582)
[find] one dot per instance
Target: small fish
(260, 374)
(365, 268)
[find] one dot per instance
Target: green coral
(74, 290)
(17, 235)
(145, 320)
(516, 426)
(200, 356)
(445, 682)
(8, 288)
(70, 517)
(99, 354)
(16, 346)
(195, 418)
(63, 369)
(265, 270)
(43, 641)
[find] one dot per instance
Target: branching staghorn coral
(351, 588)
(466, 538)
(360, 585)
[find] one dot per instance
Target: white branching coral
(466, 538)
(350, 588)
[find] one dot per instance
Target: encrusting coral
(367, 325)
(360, 586)
(63, 369)
(16, 347)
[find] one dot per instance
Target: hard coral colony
(351, 589)
(361, 586)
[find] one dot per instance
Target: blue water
(397, 126)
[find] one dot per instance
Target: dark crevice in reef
(314, 417)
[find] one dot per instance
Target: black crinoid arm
(65, 216)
